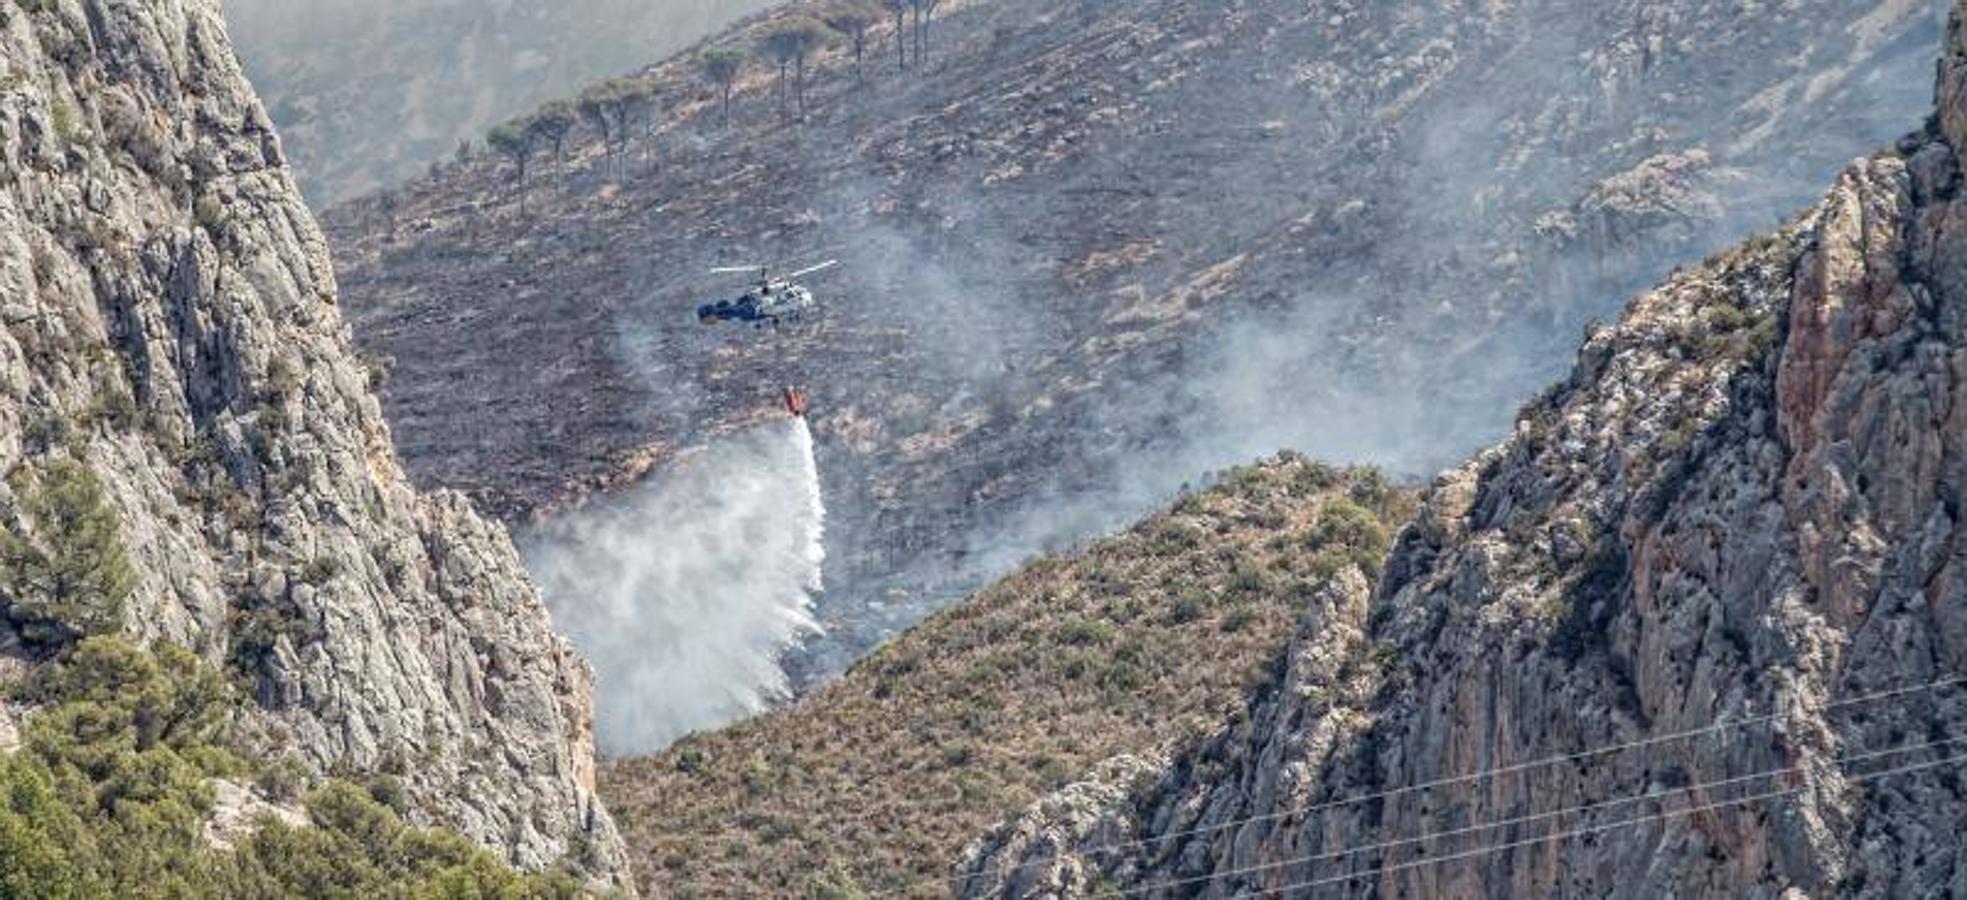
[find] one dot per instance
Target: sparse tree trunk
(784, 97)
(618, 147)
(800, 68)
(928, 20)
(648, 142)
(901, 39)
(727, 104)
(649, 145)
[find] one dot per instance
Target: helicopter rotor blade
(733, 270)
(819, 268)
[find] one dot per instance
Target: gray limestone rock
(168, 320)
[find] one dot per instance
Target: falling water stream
(684, 591)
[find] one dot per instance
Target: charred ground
(1091, 250)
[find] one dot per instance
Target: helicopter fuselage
(768, 303)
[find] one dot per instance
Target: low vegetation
(64, 574)
(112, 786)
(875, 783)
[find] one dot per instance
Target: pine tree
(67, 576)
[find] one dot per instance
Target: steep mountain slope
(1717, 575)
(876, 780)
(1093, 249)
(369, 93)
(191, 451)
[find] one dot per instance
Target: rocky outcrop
(237, 811)
(1665, 202)
(172, 353)
(1742, 506)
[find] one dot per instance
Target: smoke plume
(684, 591)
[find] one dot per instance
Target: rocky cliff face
(1743, 505)
(172, 353)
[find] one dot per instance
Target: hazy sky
(368, 92)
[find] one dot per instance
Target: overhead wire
(1514, 768)
(1599, 829)
(1583, 809)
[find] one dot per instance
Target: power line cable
(1514, 768)
(1599, 829)
(1599, 806)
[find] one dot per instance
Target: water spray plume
(684, 592)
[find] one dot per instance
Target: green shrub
(112, 404)
(209, 213)
(359, 847)
(69, 577)
(63, 120)
(1074, 668)
(1724, 318)
(110, 794)
(44, 430)
(116, 765)
(1249, 581)
(957, 756)
(1346, 524)
(282, 379)
(1084, 632)
(758, 776)
(1312, 477)
(258, 624)
(1053, 772)
(1350, 524)
(1123, 676)
(283, 781)
(321, 570)
(835, 885)
(1173, 536)
(386, 790)
(1187, 608)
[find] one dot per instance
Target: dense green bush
(110, 792)
(69, 578)
(1361, 532)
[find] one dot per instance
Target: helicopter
(770, 300)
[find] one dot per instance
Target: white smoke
(684, 591)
